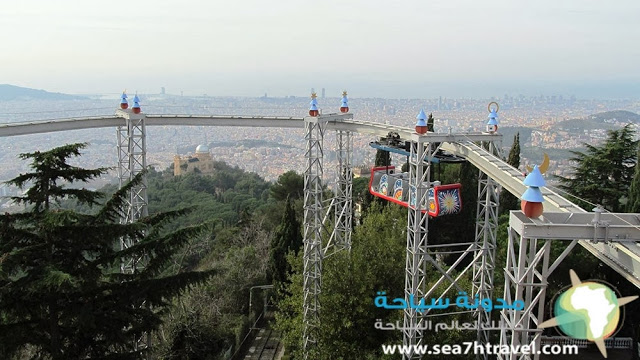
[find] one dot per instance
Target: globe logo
(587, 311)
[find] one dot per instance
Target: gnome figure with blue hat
(531, 204)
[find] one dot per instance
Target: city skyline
(371, 48)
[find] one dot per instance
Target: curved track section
(624, 258)
(46, 126)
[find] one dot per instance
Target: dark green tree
(430, 123)
(383, 158)
(376, 263)
(62, 295)
(507, 200)
(289, 185)
(361, 194)
(602, 174)
(633, 204)
(287, 239)
(405, 166)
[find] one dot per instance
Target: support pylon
(343, 215)
(525, 279)
(417, 234)
(485, 247)
(313, 213)
(132, 159)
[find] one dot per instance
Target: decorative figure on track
(344, 107)
(313, 109)
(421, 125)
(123, 100)
(492, 124)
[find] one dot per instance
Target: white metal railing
(611, 343)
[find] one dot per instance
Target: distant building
(363, 171)
(323, 93)
(200, 162)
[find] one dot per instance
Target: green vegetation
(383, 158)
(242, 232)
(62, 295)
(607, 175)
(290, 185)
(288, 238)
(507, 200)
(602, 175)
(212, 319)
(633, 203)
(376, 263)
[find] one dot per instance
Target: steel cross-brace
(312, 236)
(485, 246)
(417, 234)
(132, 159)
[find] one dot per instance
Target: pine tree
(289, 185)
(405, 166)
(383, 158)
(633, 204)
(430, 123)
(287, 239)
(465, 228)
(507, 200)
(602, 175)
(62, 295)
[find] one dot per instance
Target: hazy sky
(413, 48)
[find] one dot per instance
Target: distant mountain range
(606, 120)
(610, 120)
(12, 92)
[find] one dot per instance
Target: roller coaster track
(268, 346)
(622, 257)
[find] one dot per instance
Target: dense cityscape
(270, 152)
(486, 206)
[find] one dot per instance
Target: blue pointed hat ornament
(535, 178)
(532, 194)
(136, 104)
(421, 118)
(531, 204)
(421, 124)
(344, 106)
(123, 100)
(493, 118)
(492, 124)
(313, 109)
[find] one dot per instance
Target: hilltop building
(201, 162)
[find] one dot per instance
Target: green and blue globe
(588, 311)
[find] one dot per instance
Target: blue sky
(373, 48)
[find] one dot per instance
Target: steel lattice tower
(343, 215)
(132, 160)
(417, 234)
(485, 245)
(313, 213)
